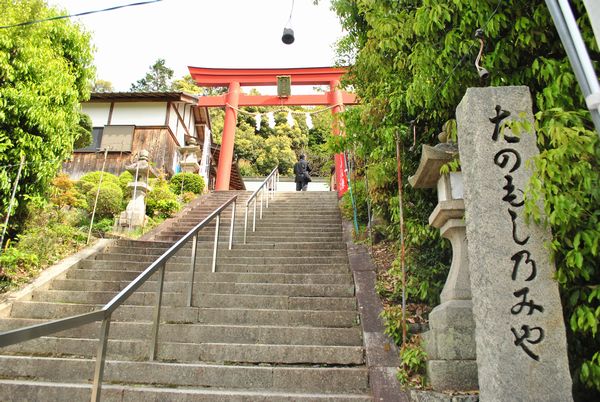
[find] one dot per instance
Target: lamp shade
(288, 36)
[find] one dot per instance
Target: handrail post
(154, 339)
(100, 359)
(215, 247)
(245, 223)
(254, 217)
(262, 196)
(192, 269)
(233, 207)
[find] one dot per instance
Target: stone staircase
(277, 322)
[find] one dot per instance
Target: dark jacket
(300, 168)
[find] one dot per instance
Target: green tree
(102, 86)
(45, 71)
(412, 60)
(156, 80)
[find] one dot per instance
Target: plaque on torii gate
(234, 79)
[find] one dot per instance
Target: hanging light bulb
(309, 122)
(257, 118)
(271, 118)
(290, 119)
(288, 32)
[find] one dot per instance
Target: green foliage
(392, 318)
(187, 182)
(90, 180)
(404, 57)
(567, 178)
(102, 86)
(124, 179)
(246, 168)
(110, 199)
(44, 74)
(50, 233)
(412, 368)
(156, 80)
(83, 138)
(161, 201)
(64, 194)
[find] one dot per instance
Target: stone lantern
(135, 214)
(189, 156)
(450, 342)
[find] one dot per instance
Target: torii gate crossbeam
(234, 79)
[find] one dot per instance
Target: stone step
(189, 333)
(276, 378)
(266, 268)
(219, 316)
(256, 238)
(207, 249)
(159, 248)
(237, 277)
(269, 289)
(207, 352)
(201, 300)
(226, 259)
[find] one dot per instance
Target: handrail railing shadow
(104, 314)
(271, 184)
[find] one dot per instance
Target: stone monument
(134, 215)
(189, 156)
(450, 342)
(520, 333)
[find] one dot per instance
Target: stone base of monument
(432, 396)
(450, 347)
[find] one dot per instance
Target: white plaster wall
(98, 113)
(173, 120)
(139, 113)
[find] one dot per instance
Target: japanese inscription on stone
(520, 335)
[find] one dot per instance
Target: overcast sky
(205, 33)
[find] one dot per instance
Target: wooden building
(159, 122)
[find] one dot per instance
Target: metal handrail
(104, 314)
(272, 179)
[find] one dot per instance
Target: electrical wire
(287, 24)
(60, 17)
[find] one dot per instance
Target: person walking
(302, 173)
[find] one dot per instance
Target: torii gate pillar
(337, 103)
(228, 139)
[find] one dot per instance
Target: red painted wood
(226, 155)
(222, 77)
(274, 100)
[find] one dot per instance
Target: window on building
(117, 138)
(96, 141)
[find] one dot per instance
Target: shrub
(124, 179)
(64, 194)
(110, 200)
(161, 201)
(102, 227)
(247, 168)
(188, 182)
(90, 180)
(187, 197)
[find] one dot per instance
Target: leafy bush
(161, 201)
(412, 369)
(187, 197)
(14, 267)
(102, 227)
(124, 179)
(247, 169)
(64, 194)
(187, 182)
(110, 200)
(90, 180)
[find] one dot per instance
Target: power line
(60, 17)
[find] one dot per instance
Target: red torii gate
(234, 79)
